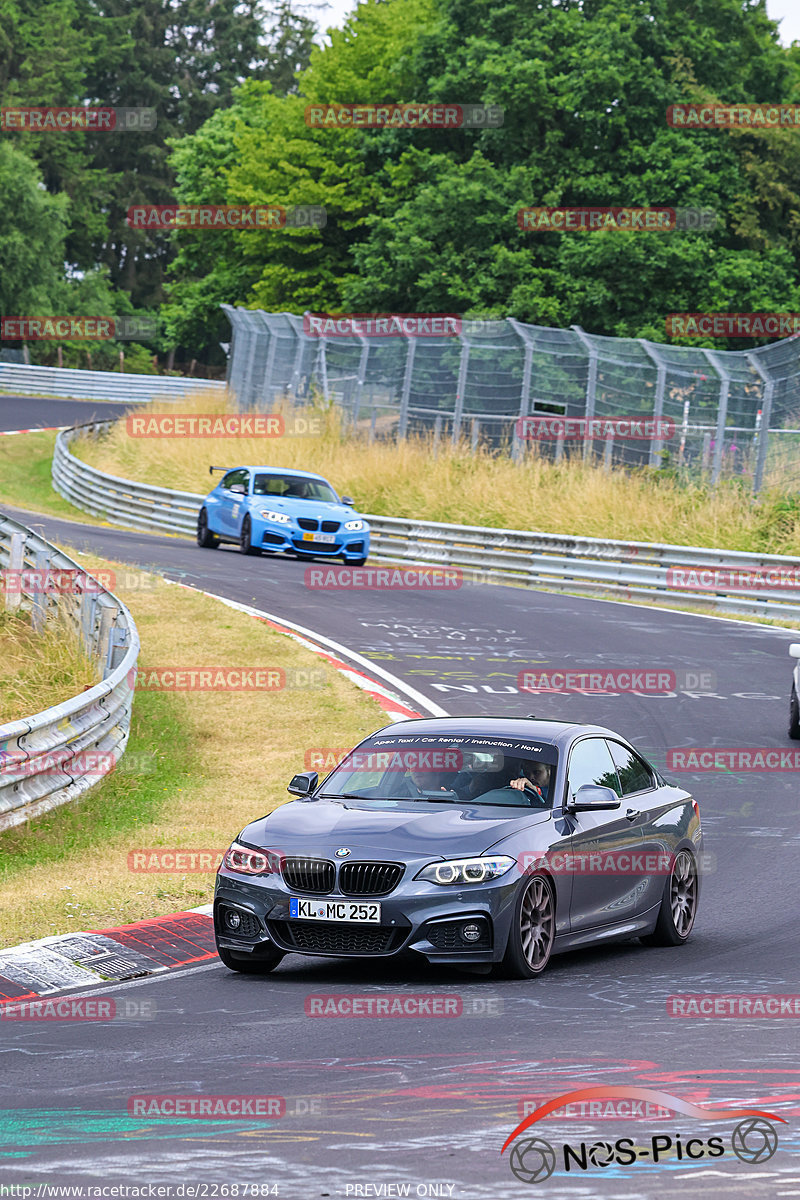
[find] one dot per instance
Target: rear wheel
(678, 906)
(245, 544)
(247, 964)
(205, 537)
(533, 928)
(794, 716)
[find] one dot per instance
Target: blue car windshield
(488, 771)
(294, 487)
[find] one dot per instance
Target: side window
(240, 475)
(634, 775)
(591, 762)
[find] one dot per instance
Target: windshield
(448, 770)
(296, 487)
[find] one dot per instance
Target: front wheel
(245, 543)
(205, 538)
(533, 929)
(794, 716)
(246, 964)
(678, 906)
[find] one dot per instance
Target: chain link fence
(716, 414)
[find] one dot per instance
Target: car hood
(408, 829)
(304, 508)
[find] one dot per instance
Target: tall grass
(486, 488)
(38, 670)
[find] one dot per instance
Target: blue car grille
(313, 525)
(330, 526)
(307, 523)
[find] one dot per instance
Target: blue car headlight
(278, 518)
(467, 870)
(352, 526)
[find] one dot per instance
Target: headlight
(467, 870)
(352, 526)
(278, 518)
(250, 862)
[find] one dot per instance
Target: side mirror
(347, 500)
(238, 488)
(303, 784)
(593, 798)
(794, 650)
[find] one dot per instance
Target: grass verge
(25, 477)
(199, 766)
(405, 479)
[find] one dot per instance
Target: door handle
(632, 814)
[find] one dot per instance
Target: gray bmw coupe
(479, 842)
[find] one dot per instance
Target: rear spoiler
(211, 470)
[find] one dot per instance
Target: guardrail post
(107, 617)
(16, 560)
(39, 590)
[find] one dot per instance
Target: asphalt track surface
(26, 412)
(378, 1106)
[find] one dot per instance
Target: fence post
(16, 560)
(608, 450)
(475, 435)
(722, 414)
(591, 388)
(437, 433)
(762, 434)
(267, 387)
(462, 382)
(362, 374)
(405, 395)
(658, 402)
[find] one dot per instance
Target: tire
(678, 905)
(794, 716)
(246, 964)
(205, 538)
(528, 951)
(245, 545)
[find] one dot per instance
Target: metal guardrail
(559, 562)
(52, 758)
(114, 386)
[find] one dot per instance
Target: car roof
(542, 729)
(279, 471)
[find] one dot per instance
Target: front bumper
(281, 538)
(417, 916)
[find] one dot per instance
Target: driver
(416, 783)
(534, 778)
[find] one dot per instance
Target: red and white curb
(38, 429)
(68, 961)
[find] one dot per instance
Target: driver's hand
(522, 785)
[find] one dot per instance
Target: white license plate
(333, 910)
(327, 538)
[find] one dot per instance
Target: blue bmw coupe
(276, 510)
